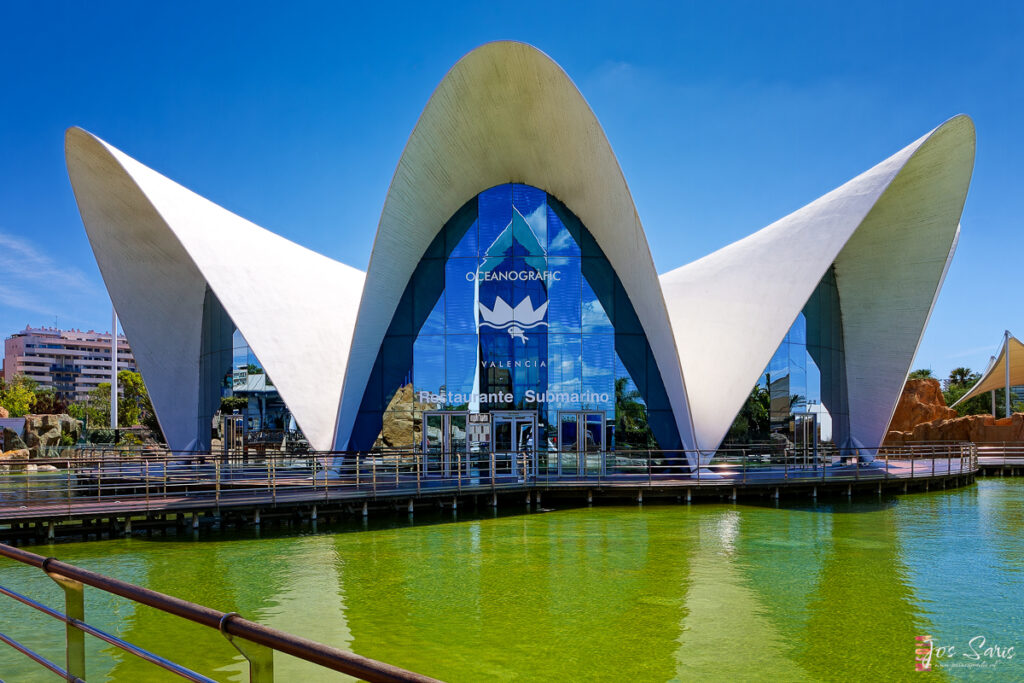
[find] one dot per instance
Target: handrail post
(260, 657)
(216, 476)
(74, 608)
(373, 471)
(458, 475)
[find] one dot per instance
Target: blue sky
(724, 116)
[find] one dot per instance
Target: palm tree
(960, 376)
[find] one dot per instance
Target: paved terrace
(72, 493)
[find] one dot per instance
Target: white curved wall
(158, 245)
(506, 113)
(889, 232)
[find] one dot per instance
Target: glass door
(444, 441)
(580, 443)
(514, 442)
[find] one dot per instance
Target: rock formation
(399, 429)
(976, 428)
(3, 412)
(12, 441)
(43, 434)
(921, 401)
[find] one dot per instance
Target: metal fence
(152, 480)
(255, 642)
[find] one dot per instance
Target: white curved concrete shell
(890, 232)
(159, 246)
(506, 113)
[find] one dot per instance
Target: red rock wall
(921, 401)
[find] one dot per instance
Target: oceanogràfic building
(511, 301)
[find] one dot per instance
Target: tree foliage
(753, 423)
(960, 382)
(133, 406)
(19, 395)
(921, 373)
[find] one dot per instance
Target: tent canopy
(995, 376)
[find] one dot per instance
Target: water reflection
(658, 593)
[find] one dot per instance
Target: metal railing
(255, 642)
(1001, 454)
(148, 481)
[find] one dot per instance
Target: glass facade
(515, 313)
(807, 374)
(230, 370)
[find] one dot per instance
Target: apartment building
(72, 362)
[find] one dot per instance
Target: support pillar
(494, 500)
(256, 517)
(366, 509)
(590, 497)
(313, 514)
(688, 495)
(410, 507)
(640, 497)
(50, 531)
(195, 520)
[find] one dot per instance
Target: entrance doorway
(444, 441)
(514, 438)
(580, 443)
(805, 438)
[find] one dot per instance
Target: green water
(653, 593)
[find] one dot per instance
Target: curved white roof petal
(159, 245)
(506, 113)
(890, 232)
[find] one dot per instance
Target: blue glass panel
(625, 318)
(598, 371)
(560, 241)
(460, 366)
(564, 295)
(460, 291)
(531, 205)
(593, 316)
(428, 363)
(466, 245)
(428, 297)
(495, 207)
(565, 367)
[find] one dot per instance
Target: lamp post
(113, 372)
(1006, 360)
